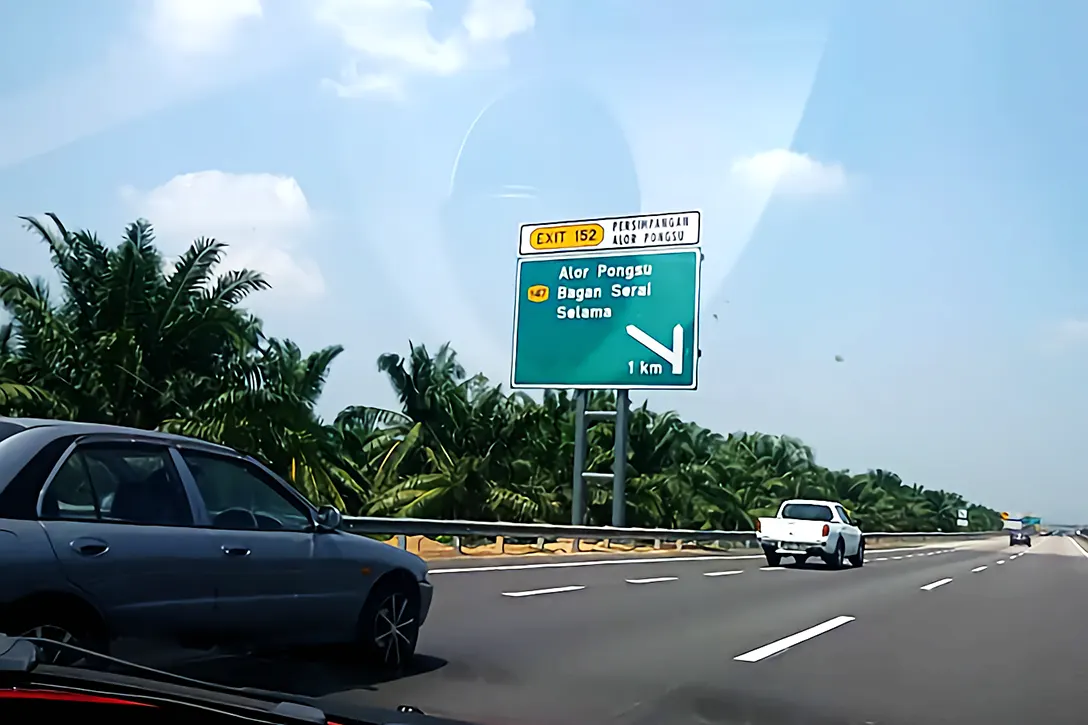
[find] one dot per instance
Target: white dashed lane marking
(653, 580)
(934, 585)
(536, 592)
(785, 643)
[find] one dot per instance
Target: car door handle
(235, 551)
(89, 547)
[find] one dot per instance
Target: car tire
(773, 558)
(858, 559)
(835, 559)
(800, 559)
(389, 626)
(53, 624)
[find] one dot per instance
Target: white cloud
(264, 218)
(395, 40)
(1070, 332)
(353, 84)
(173, 51)
(200, 26)
(788, 172)
(497, 20)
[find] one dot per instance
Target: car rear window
(806, 512)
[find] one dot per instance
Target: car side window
(842, 515)
(238, 495)
(118, 483)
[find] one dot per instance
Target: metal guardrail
(404, 527)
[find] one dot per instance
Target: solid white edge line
(1077, 544)
(934, 585)
(723, 573)
(978, 569)
(550, 590)
(794, 639)
(652, 580)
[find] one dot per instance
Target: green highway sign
(620, 320)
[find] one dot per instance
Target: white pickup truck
(811, 528)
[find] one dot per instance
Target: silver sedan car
(109, 532)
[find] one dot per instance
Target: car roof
(71, 427)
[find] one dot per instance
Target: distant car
(1019, 538)
(109, 532)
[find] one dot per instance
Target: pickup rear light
(826, 530)
(758, 526)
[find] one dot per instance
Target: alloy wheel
(56, 633)
(393, 625)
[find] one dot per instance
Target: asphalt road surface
(968, 633)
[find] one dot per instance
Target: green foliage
(132, 342)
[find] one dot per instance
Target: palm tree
(126, 339)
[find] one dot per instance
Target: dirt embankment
(432, 550)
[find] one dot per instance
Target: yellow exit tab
(567, 237)
(538, 293)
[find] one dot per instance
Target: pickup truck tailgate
(788, 531)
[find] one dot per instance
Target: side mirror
(328, 518)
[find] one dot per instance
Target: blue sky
(899, 183)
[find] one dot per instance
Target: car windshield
(466, 354)
(806, 512)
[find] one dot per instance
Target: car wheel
(858, 559)
(773, 558)
(835, 559)
(59, 628)
(800, 559)
(389, 626)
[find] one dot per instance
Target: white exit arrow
(674, 357)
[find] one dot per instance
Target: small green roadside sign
(621, 320)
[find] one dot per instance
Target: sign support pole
(619, 464)
(578, 485)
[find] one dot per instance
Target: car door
(278, 580)
(851, 533)
(120, 521)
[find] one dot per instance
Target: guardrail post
(619, 464)
(578, 486)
